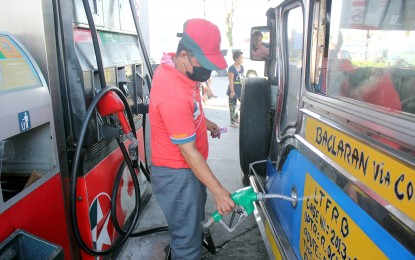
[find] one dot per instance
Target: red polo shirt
(176, 116)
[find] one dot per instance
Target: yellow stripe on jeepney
(389, 178)
(272, 242)
(327, 232)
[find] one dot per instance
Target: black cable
(147, 78)
(95, 42)
(144, 170)
(148, 82)
(140, 37)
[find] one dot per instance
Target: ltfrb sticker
(24, 121)
(328, 232)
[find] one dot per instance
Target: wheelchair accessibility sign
(24, 121)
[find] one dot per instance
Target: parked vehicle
(338, 134)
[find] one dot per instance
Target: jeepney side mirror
(260, 43)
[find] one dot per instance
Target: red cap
(202, 38)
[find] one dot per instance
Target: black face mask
(199, 73)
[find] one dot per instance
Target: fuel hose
(75, 174)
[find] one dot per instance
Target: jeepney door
(280, 178)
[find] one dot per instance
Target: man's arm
(197, 163)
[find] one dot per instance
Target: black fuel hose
(95, 42)
(140, 37)
(124, 234)
(75, 173)
(117, 226)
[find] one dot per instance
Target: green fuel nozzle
(244, 199)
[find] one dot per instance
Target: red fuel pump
(45, 120)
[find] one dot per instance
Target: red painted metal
(40, 213)
(97, 186)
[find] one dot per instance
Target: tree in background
(230, 6)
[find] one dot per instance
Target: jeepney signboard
(389, 178)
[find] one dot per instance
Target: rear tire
(255, 126)
(251, 74)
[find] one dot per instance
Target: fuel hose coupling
(132, 148)
(263, 196)
(207, 223)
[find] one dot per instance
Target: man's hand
(223, 201)
(197, 163)
(213, 128)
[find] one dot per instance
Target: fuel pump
(65, 126)
(110, 102)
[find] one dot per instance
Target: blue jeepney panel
(327, 223)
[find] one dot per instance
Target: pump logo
(99, 217)
(24, 121)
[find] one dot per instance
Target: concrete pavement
(245, 242)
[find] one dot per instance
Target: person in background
(374, 86)
(367, 84)
(236, 79)
(207, 92)
(209, 89)
(258, 50)
(179, 172)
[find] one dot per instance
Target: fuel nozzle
(244, 199)
(112, 104)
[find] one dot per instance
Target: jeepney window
(294, 41)
(371, 53)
